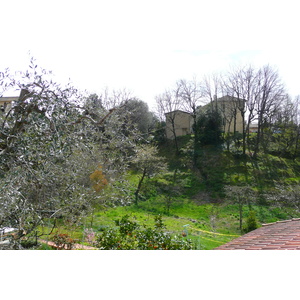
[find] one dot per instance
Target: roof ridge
(283, 221)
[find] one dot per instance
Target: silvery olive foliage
(51, 139)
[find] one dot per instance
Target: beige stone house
(6, 102)
(180, 122)
(229, 107)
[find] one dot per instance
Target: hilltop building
(229, 107)
(180, 122)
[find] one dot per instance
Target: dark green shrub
(251, 222)
(208, 129)
(27, 244)
(126, 227)
(109, 239)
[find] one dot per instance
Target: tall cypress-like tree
(209, 129)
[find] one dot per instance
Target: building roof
(281, 235)
(23, 93)
(228, 98)
(8, 99)
(177, 111)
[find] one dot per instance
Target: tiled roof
(282, 235)
(176, 111)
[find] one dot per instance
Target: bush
(63, 241)
(27, 244)
(130, 236)
(251, 222)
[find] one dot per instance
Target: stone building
(229, 107)
(6, 102)
(179, 121)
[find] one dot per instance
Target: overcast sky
(145, 46)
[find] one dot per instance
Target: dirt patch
(76, 246)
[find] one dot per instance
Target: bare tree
(114, 98)
(297, 121)
(285, 122)
(269, 94)
(263, 92)
(241, 195)
(168, 105)
(190, 94)
(238, 83)
(212, 87)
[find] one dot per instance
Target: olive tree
(50, 143)
(168, 105)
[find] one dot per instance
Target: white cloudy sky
(145, 46)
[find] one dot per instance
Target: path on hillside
(76, 246)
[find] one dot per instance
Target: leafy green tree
(170, 187)
(159, 132)
(209, 129)
(140, 116)
(148, 163)
(207, 157)
(251, 222)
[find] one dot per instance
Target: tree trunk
(241, 215)
(258, 138)
(139, 187)
(296, 143)
(175, 137)
(244, 134)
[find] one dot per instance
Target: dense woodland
(98, 169)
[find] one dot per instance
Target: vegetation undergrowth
(188, 211)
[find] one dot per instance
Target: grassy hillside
(207, 225)
(208, 210)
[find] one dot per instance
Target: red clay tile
(281, 235)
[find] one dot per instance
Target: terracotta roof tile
(281, 235)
